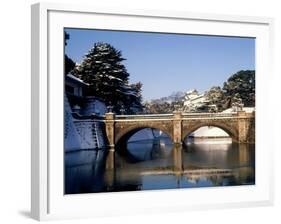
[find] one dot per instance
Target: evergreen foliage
(108, 79)
(241, 87)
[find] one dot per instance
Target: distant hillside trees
(162, 107)
(215, 96)
(108, 79)
(238, 90)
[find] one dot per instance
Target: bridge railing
(191, 115)
(183, 115)
(170, 116)
(143, 116)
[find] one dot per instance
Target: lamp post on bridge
(122, 110)
(177, 108)
(109, 107)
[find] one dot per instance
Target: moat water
(158, 164)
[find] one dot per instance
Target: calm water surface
(158, 164)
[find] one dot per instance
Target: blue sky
(166, 63)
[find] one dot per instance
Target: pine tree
(107, 77)
(134, 98)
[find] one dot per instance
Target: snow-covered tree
(102, 68)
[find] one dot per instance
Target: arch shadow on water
(131, 145)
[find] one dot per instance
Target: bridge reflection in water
(158, 164)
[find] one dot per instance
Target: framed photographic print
(148, 111)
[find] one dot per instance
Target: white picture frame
(48, 201)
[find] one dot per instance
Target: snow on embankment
(81, 134)
(71, 137)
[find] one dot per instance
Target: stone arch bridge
(239, 125)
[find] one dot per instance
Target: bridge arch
(231, 130)
(123, 136)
